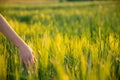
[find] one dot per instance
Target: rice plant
(71, 41)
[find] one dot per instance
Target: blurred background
(6, 1)
(71, 39)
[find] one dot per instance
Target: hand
(25, 52)
(27, 57)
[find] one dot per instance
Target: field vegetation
(71, 41)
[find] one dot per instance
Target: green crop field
(71, 41)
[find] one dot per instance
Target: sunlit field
(71, 41)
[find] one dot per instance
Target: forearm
(10, 33)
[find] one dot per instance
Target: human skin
(25, 52)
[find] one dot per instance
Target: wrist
(22, 45)
(19, 43)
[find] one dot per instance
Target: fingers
(33, 62)
(29, 62)
(25, 64)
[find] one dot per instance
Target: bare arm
(10, 33)
(25, 52)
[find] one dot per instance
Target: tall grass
(71, 41)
